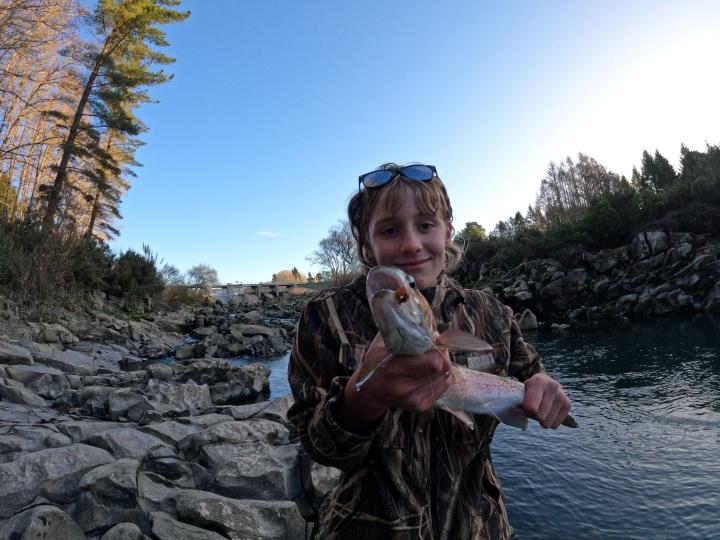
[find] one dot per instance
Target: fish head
(401, 312)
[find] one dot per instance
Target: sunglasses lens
(377, 178)
(418, 172)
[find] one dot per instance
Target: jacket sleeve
(317, 380)
(524, 359)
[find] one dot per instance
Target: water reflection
(645, 462)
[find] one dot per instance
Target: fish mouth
(383, 278)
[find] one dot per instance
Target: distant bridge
(277, 290)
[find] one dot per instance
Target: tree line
(71, 81)
(582, 206)
(72, 77)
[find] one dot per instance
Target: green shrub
(134, 277)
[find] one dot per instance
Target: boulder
(184, 351)
(171, 432)
(187, 398)
(647, 244)
(108, 495)
(527, 321)
(41, 522)
(49, 383)
(125, 442)
(164, 527)
(324, 478)
(712, 300)
(254, 330)
(17, 440)
(254, 471)
(276, 410)
(241, 519)
(232, 432)
(53, 473)
(16, 413)
(14, 354)
(156, 493)
(16, 392)
(123, 531)
(53, 333)
(67, 361)
(129, 403)
(79, 430)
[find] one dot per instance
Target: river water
(645, 461)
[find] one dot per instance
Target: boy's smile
(409, 239)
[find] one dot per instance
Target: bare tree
(335, 253)
(569, 188)
(201, 277)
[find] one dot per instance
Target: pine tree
(117, 72)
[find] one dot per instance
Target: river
(645, 461)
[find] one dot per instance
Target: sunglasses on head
(421, 173)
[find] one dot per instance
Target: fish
(408, 327)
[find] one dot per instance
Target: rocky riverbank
(658, 274)
(96, 441)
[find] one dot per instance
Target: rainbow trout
(408, 327)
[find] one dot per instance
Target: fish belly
(482, 393)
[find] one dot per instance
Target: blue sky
(277, 106)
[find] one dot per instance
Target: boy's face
(409, 239)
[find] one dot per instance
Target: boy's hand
(413, 383)
(545, 400)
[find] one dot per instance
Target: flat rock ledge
(89, 451)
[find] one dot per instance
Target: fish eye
(412, 285)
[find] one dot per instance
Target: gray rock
(647, 244)
(46, 382)
(14, 354)
(254, 330)
(125, 442)
(276, 410)
(156, 493)
(128, 402)
(79, 430)
(16, 413)
(527, 321)
(16, 392)
(160, 372)
(66, 361)
(249, 431)
(241, 519)
(324, 478)
(188, 398)
(53, 333)
(123, 531)
(712, 300)
(164, 527)
(253, 471)
(552, 290)
(171, 432)
(16, 440)
(184, 351)
(252, 316)
(52, 473)
(205, 420)
(41, 522)
(108, 495)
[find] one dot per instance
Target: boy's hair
(431, 197)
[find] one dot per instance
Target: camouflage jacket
(415, 475)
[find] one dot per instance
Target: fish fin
(457, 339)
(569, 422)
(513, 416)
(464, 417)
